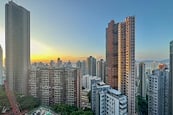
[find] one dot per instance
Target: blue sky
(76, 28)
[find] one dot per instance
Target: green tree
(81, 112)
(64, 109)
(28, 102)
(3, 99)
(142, 105)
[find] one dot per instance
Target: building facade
(120, 58)
(1, 66)
(158, 92)
(170, 79)
(57, 85)
(82, 66)
(101, 69)
(108, 101)
(91, 66)
(17, 42)
(142, 81)
(112, 54)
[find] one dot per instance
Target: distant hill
(157, 60)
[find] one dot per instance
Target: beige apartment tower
(120, 58)
(17, 42)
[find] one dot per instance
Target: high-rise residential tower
(17, 42)
(142, 84)
(158, 91)
(91, 66)
(1, 66)
(120, 58)
(112, 54)
(101, 69)
(170, 79)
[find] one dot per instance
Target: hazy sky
(76, 28)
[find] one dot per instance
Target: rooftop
(41, 111)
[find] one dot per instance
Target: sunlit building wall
(108, 101)
(126, 61)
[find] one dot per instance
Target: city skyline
(76, 30)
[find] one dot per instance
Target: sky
(75, 29)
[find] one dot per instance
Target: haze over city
(74, 30)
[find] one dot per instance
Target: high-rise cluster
(56, 85)
(120, 58)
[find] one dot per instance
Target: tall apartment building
(56, 85)
(170, 79)
(142, 83)
(112, 54)
(82, 66)
(91, 66)
(158, 92)
(108, 101)
(101, 69)
(1, 66)
(120, 58)
(17, 42)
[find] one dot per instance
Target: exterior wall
(62, 85)
(1, 66)
(17, 42)
(101, 69)
(86, 81)
(130, 64)
(120, 58)
(112, 54)
(170, 79)
(142, 84)
(91, 66)
(32, 83)
(107, 101)
(84, 99)
(158, 93)
(44, 87)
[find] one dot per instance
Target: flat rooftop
(41, 111)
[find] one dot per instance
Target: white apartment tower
(17, 42)
(108, 101)
(158, 92)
